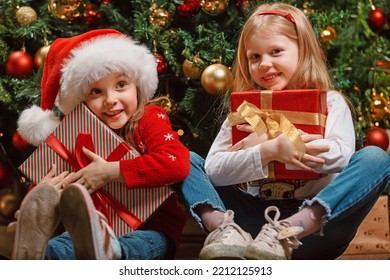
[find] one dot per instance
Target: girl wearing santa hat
(116, 78)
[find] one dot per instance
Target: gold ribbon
(264, 121)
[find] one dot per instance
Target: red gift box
(126, 209)
(305, 109)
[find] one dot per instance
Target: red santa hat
(72, 64)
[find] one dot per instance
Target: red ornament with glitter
(242, 4)
(162, 65)
(91, 15)
(189, 8)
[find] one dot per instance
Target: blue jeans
(347, 199)
(136, 245)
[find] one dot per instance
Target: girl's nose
(110, 99)
(265, 64)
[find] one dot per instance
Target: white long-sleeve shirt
(226, 168)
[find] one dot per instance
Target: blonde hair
(312, 71)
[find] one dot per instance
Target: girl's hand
(11, 227)
(52, 180)
(251, 140)
(96, 174)
(313, 149)
(283, 150)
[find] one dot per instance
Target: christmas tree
(194, 42)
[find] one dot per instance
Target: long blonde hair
(312, 72)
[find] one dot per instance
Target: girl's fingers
(236, 147)
(12, 227)
(314, 159)
(316, 148)
(245, 128)
(301, 165)
(302, 132)
(71, 178)
(310, 137)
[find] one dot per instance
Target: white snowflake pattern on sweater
(172, 157)
(168, 137)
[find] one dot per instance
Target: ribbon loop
(83, 140)
(267, 122)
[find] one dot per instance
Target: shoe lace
(276, 231)
(223, 232)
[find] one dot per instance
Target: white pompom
(35, 124)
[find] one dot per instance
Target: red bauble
(189, 8)
(19, 142)
(377, 136)
(102, 1)
(376, 18)
(240, 4)
(162, 65)
(384, 64)
(5, 173)
(19, 64)
(91, 15)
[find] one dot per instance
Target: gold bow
(272, 123)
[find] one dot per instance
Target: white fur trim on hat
(95, 59)
(36, 124)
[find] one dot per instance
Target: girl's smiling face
(113, 99)
(272, 60)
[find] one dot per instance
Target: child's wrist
(113, 171)
(267, 151)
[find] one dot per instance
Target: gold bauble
(216, 79)
(379, 107)
(160, 17)
(66, 10)
(328, 35)
(190, 70)
(215, 7)
(306, 8)
(40, 56)
(8, 205)
(26, 16)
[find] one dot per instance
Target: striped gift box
(135, 205)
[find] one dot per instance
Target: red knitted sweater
(164, 160)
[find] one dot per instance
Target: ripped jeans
(348, 199)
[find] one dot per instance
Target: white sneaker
(275, 241)
(228, 241)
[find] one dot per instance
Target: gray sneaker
(275, 241)
(228, 241)
(36, 223)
